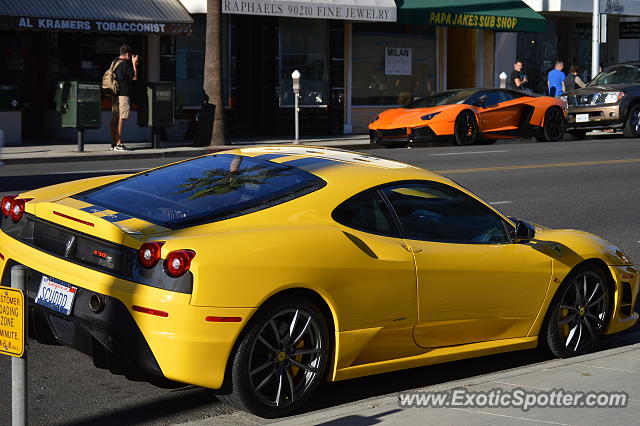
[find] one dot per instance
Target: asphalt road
(592, 185)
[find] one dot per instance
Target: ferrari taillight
(17, 209)
(6, 205)
(149, 253)
(178, 262)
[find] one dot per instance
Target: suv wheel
(632, 126)
(578, 134)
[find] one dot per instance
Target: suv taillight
(6, 205)
(178, 262)
(149, 253)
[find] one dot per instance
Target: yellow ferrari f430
(263, 271)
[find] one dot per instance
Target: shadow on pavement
(337, 393)
(358, 420)
(184, 399)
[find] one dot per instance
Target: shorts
(121, 106)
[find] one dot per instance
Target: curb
(160, 153)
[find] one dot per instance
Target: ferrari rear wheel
(281, 359)
(465, 130)
(554, 125)
(579, 313)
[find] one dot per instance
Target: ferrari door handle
(412, 249)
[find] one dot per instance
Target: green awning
(497, 15)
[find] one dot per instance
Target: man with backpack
(119, 79)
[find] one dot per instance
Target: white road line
(509, 417)
(493, 203)
(71, 172)
(470, 152)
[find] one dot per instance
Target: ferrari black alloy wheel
(554, 125)
(281, 359)
(579, 313)
(465, 130)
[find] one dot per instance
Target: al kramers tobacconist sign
(354, 12)
(48, 24)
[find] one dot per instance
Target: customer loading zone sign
(397, 61)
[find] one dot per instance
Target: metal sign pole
(595, 39)
(19, 365)
(297, 141)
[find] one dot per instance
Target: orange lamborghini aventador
(472, 116)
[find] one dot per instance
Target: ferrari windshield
(449, 97)
(203, 190)
(617, 75)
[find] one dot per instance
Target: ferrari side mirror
(525, 232)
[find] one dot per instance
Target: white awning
(349, 10)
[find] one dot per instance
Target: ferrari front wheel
(465, 131)
(281, 358)
(579, 313)
(554, 125)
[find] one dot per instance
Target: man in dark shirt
(518, 79)
(126, 71)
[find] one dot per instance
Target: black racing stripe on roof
(271, 156)
(312, 162)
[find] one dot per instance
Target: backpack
(110, 80)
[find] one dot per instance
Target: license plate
(56, 294)
(582, 118)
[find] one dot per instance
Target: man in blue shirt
(555, 80)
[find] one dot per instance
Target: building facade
(568, 38)
(43, 42)
(356, 57)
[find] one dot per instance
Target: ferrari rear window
(204, 190)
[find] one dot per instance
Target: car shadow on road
(177, 404)
(161, 411)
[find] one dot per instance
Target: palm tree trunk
(213, 71)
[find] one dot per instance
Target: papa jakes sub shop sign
(488, 22)
(51, 24)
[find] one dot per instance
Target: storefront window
(303, 46)
(392, 64)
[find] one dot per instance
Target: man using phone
(126, 72)
(518, 79)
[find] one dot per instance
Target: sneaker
(121, 147)
(112, 146)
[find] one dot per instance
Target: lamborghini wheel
(281, 359)
(554, 125)
(579, 313)
(465, 130)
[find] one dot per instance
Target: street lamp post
(595, 39)
(295, 76)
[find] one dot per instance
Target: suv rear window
(204, 190)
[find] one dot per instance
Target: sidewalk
(615, 369)
(59, 152)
